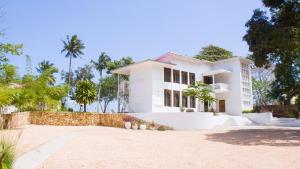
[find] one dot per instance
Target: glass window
(192, 102)
(176, 98)
(192, 77)
(184, 77)
(167, 98)
(167, 74)
(176, 76)
(184, 100)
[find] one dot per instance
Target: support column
(118, 94)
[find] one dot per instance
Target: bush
(161, 128)
(248, 111)
(7, 152)
(189, 110)
(292, 115)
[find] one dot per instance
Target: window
(184, 77)
(208, 80)
(167, 98)
(176, 98)
(192, 102)
(176, 76)
(184, 100)
(192, 77)
(167, 74)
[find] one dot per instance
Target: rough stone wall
(15, 120)
(76, 119)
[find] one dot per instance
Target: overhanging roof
(126, 69)
(217, 71)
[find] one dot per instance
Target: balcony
(220, 87)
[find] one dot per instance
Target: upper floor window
(176, 98)
(192, 77)
(167, 75)
(184, 77)
(167, 98)
(176, 76)
(208, 79)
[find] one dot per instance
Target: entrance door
(206, 106)
(221, 105)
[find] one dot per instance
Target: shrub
(161, 128)
(189, 110)
(292, 115)
(7, 152)
(248, 111)
(128, 119)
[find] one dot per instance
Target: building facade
(157, 85)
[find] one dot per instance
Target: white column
(118, 95)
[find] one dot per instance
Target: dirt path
(103, 147)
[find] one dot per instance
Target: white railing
(220, 87)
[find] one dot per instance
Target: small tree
(85, 92)
(201, 91)
(213, 53)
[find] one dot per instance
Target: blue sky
(136, 28)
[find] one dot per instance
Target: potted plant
(134, 125)
(142, 126)
(152, 126)
(127, 121)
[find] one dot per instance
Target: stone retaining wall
(20, 119)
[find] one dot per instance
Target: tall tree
(85, 93)
(73, 48)
(100, 65)
(276, 40)
(109, 91)
(46, 65)
(213, 53)
(8, 73)
(84, 73)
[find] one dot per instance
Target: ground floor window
(192, 102)
(167, 98)
(176, 98)
(184, 100)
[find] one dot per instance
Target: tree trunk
(99, 90)
(70, 63)
(84, 107)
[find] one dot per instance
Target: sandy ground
(102, 147)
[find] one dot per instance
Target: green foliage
(276, 40)
(213, 53)
(248, 111)
(38, 95)
(109, 89)
(8, 73)
(84, 73)
(46, 65)
(201, 91)
(8, 48)
(102, 63)
(7, 153)
(85, 92)
(73, 48)
(8, 95)
(119, 63)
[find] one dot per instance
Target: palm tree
(73, 47)
(100, 65)
(46, 65)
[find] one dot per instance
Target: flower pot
(127, 125)
(135, 126)
(143, 126)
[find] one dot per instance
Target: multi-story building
(157, 85)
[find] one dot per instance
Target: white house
(156, 85)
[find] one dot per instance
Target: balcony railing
(220, 87)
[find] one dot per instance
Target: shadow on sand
(251, 137)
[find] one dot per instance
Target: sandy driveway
(103, 147)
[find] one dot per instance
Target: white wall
(233, 99)
(140, 89)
